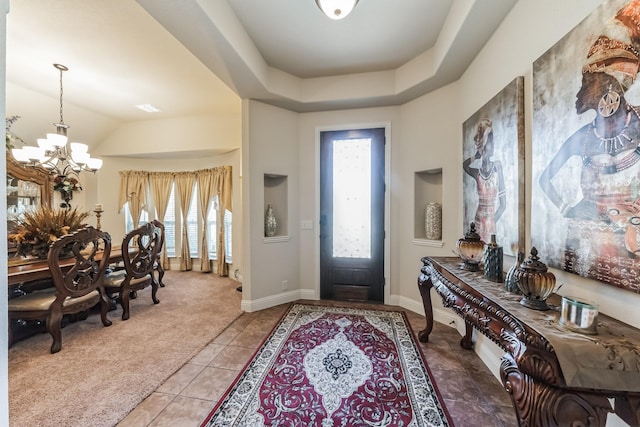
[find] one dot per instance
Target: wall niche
(427, 189)
(276, 195)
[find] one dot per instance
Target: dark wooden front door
(352, 215)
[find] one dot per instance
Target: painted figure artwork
(586, 172)
(493, 156)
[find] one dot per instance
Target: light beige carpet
(101, 374)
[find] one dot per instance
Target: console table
(555, 377)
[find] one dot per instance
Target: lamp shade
(78, 147)
(45, 144)
(80, 157)
(336, 9)
(94, 164)
(20, 155)
(57, 139)
(34, 154)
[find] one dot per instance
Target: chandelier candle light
(53, 153)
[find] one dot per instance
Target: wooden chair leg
(55, 330)
(160, 274)
(154, 291)
(124, 301)
(105, 305)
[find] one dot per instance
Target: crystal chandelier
(53, 153)
(336, 9)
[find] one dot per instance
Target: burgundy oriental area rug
(332, 366)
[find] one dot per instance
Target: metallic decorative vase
(471, 249)
(493, 258)
(270, 223)
(510, 280)
(579, 316)
(433, 221)
(535, 282)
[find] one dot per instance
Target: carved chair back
(89, 249)
(140, 248)
(160, 225)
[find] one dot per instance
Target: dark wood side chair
(140, 249)
(158, 265)
(78, 283)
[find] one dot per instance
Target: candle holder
(98, 211)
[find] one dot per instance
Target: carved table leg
(628, 408)
(425, 285)
(540, 405)
(466, 341)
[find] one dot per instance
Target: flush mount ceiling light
(148, 108)
(336, 9)
(53, 153)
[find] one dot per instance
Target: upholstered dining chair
(140, 249)
(158, 266)
(77, 262)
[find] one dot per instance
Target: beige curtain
(184, 184)
(222, 185)
(133, 189)
(211, 183)
(206, 191)
(161, 191)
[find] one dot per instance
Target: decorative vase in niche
(433, 221)
(270, 223)
(510, 280)
(493, 260)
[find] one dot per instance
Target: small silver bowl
(579, 316)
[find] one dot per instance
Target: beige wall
(426, 134)
(550, 21)
(269, 146)
(108, 185)
(309, 127)
(85, 126)
(193, 135)
(197, 134)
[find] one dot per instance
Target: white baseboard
(281, 298)
(444, 316)
(489, 352)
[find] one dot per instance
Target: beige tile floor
(472, 395)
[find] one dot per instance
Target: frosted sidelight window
(352, 198)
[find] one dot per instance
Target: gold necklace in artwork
(612, 146)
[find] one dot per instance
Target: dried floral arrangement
(36, 230)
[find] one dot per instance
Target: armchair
(78, 285)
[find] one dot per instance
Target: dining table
(23, 270)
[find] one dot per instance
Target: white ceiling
(201, 56)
